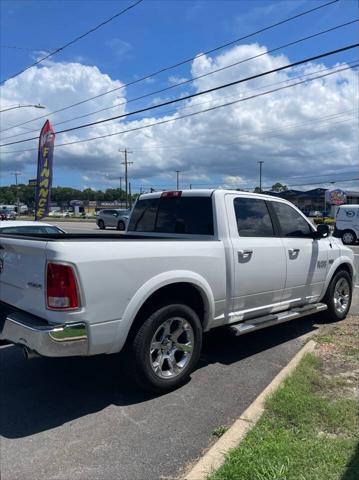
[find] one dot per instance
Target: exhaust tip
(29, 354)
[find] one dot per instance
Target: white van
(347, 223)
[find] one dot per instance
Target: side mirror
(322, 231)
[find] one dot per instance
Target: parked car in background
(315, 213)
(27, 227)
(347, 224)
(111, 217)
(7, 215)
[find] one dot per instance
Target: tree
(278, 187)
(257, 190)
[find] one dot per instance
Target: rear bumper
(49, 340)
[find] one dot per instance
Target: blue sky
(152, 35)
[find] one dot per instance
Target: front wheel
(348, 237)
(338, 296)
(166, 348)
(121, 225)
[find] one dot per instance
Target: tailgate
(22, 273)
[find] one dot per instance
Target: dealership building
(319, 199)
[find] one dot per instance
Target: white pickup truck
(189, 262)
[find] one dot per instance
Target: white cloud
(119, 47)
(285, 129)
(175, 80)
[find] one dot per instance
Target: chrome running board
(275, 319)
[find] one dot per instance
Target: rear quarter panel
(117, 277)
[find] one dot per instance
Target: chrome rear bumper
(49, 340)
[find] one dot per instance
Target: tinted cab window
(291, 222)
(253, 219)
(183, 215)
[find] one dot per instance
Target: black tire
(334, 312)
(139, 358)
(348, 237)
(101, 225)
(121, 225)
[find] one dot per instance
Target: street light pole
(177, 172)
(21, 106)
(260, 175)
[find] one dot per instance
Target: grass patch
(219, 431)
(308, 432)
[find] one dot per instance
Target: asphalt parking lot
(80, 418)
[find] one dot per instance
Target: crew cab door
(307, 258)
(259, 263)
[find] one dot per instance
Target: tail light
(61, 287)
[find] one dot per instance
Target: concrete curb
(215, 456)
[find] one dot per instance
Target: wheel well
(185, 293)
(346, 267)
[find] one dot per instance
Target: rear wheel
(166, 348)
(121, 225)
(348, 237)
(339, 296)
(101, 225)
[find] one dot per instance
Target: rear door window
(253, 219)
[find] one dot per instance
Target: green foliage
(279, 187)
(8, 194)
(307, 433)
(219, 431)
(328, 221)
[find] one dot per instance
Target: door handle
(293, 252)
(244, 255)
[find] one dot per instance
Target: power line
(268, 187)
(162, 122)
(245, 188)
(188, 81)
(325, 119)
(263, 134)
(182, 108)
(203, 92)
(182, 62)
(71, 42)
(321, 183)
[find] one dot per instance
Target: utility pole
(260, 175)
(130, 194)
(126, 163)
(17, 192)
(177, 172)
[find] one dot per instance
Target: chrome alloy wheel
(171, 347)
(341, 295)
